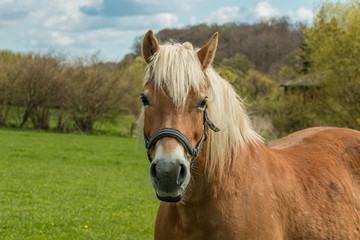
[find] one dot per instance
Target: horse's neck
(233, 182)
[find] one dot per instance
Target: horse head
(174, 111)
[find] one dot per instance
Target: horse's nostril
(153, 173)
(182, 174)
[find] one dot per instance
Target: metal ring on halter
(174, 133)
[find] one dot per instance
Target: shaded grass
(120, 126)
(65, 186)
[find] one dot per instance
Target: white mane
(177, 67)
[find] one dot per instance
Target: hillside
(268, 45)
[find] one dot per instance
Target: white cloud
(193, 20)
(128, 23)
(33, 43)
(224, 15)
(163, 20)
(61, 24)
(43, 13)
(60, 39)
(62, 15)
(264, 10)
(105, 36)
(301, 14)
(6, 1)
(173, 6)
(43, 24)
(66, 16)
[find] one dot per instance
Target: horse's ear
(207, 53)
(149, 45)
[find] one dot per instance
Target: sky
(108, 27)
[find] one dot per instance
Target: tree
(234, 69)
(239, 62)
(133, 75)
(9, 74)
(258, 85)
(247, 81)
(40, 88)
(289, 113)
(333, 47)
(96, 90)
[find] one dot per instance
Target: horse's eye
(144, 100)
(202, 104)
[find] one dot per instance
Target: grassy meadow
(67, 186)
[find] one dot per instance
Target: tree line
(35, 87)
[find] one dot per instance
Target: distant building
(303, 83)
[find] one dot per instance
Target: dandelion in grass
(86, 226)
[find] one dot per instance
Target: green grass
(53, 185)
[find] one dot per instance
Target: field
(67, 186)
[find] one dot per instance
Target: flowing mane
(177, 68)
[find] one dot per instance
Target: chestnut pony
(227, 184)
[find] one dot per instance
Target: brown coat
(304, 186)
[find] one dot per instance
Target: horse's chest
(211, 225)
(199, 231)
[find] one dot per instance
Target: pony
(215, 177)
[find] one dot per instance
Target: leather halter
(174, 133)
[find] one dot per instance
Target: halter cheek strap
(174, 133)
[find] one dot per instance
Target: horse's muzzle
(169, 178)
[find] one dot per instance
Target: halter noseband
(174, 133)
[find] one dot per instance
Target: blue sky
(84, 27)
